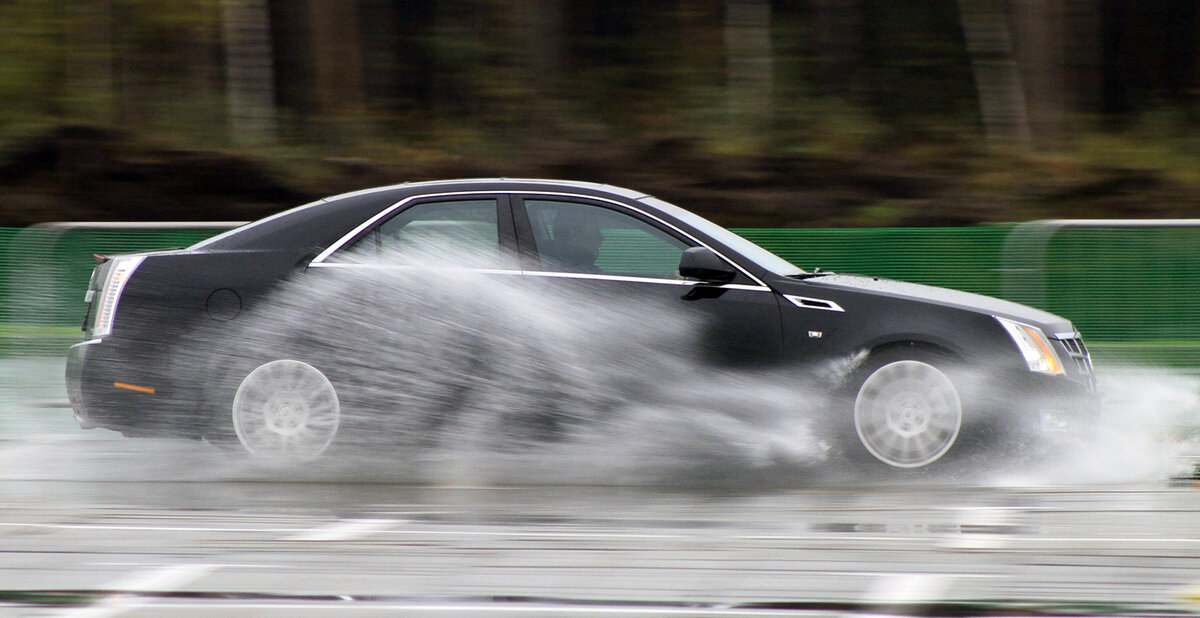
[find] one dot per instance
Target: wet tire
(908, 412)
(285, 411)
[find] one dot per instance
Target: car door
(621, 254)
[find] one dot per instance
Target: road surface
(93, 525)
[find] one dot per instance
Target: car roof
(315, 225)
(499, 184)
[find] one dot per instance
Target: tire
(285, 411)
(907, 412)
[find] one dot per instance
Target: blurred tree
(459, 53)
(337, 59)
(699, 47)
(839, 27)
(1036, 63)
(167, 64)
(750, 73)
(249, 71)
(88, 57)
(1082, 55)
(397, 55)
(997, 75)
(749, 69)
(543, 51)
(1042, 35)
(1151, 53)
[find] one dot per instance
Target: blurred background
(1043, 151)
(936, 134)
(757, 113)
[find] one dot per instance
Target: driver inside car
(576, 244)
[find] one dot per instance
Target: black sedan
(923, 372)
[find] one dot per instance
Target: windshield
(751, 251)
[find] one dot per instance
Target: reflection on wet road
(96, 526)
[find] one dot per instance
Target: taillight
(116, 275)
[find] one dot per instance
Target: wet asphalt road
(94, 525)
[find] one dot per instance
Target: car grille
(1083, 361)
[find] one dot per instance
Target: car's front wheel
(286, 411)
(907, 412)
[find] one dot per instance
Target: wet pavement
(95, 525)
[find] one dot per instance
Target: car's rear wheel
(907, 412)
(285, 411)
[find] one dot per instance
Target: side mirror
(701, 263)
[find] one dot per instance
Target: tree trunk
(249, 71)
(89, 60)
(337, 58)
(1084, 61)
(749, 69)
(540, 53)
(1040, 38)
(839, 31)
(997, 76)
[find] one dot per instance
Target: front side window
(585, 238)
(457, 233)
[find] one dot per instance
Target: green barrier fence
(44, 273)
(1129, 286)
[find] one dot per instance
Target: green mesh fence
(964, 258)
(44, 274)
(1129, 287)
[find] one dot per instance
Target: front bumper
(1063, 405)
(1041, 404)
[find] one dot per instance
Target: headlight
(110, 294)
(1034, 347)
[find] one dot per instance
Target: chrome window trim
(550, 274)
(360, 265)
(546, 274)
(337, 245)
(333, 248)
(822, 304)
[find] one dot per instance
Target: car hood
(1048, 322)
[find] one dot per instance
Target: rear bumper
(111, 388)
(76, 361)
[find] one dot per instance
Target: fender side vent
(813, 303)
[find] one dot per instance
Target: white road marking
(1191, 594)
(980, 528)
(903, 589)
(305, 533)
(515, 609)
(345, 530)
(139, 528)
(1014, 538)
(166, 579)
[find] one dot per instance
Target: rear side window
(453, 233)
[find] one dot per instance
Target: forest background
(756, 113)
